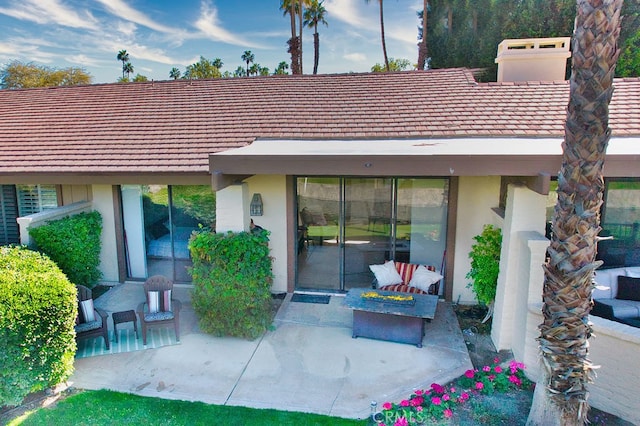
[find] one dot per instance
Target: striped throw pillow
(159, 301)
(86, 309)
(406, 271)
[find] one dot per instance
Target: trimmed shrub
(232, 282)
(38, 308)
(485, 264)
(74, 244)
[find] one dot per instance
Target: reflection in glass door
(318, 233)
(158, 222)
(367, 228)
(347, 224)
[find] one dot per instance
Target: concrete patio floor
(309, 362)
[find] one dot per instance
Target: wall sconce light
(256, 205)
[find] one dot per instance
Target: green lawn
(114, 408)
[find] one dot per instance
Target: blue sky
(160, 35)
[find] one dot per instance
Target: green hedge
(37, 313)
(232, 283)
(74, 244)
(485, 264)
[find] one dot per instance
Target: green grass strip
(114, 408)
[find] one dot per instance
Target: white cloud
(48, 12)
(355, 57)
(124, 11)
(351, 12)
(128, 29)
(209, 24)
(82, 60)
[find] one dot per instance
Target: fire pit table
(389, 315)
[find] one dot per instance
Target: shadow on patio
(308, 362)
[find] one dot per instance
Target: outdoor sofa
(617, 295)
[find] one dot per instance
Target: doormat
(127, 342)
(311, 298)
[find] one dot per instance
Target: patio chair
(91, 321)
(160, 309)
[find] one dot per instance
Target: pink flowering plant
(495, 378)
(439, 402)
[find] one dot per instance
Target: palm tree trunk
(422, 48)
(568, 283)
(300, 12)
(293, 49)
(316, 50)
(384, 43)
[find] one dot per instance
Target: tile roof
(173, 126)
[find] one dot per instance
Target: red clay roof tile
(173, 126)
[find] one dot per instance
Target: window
(36, 198)
(621, 221)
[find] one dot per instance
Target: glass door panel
(367, 228)
(192, 206)
(318, 233)
(347, 224)
(157, 230)
(421, 221)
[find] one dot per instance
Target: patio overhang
(531, 157)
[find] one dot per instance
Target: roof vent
(533, 59)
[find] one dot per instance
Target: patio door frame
(449, 237)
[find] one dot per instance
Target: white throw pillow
(386, 274)
(422, 278)
(87, 310)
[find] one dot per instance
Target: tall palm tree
(568, 283)
(124, 57)
(291, 7)
(248, 57)
(422, 46)
(314, 15)
(174, 73)
(217, 62)
(127, 68)
(384, 43)
(281, 69)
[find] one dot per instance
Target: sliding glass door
(367, 228)
(158, 222)
(319, 201)
(347, 224)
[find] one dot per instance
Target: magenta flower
(436, 400)
(401, 422)
(387, 406)
(448, 413)
(491, 377)
(404, 403)
(419, 408)
(469, 374)
(446, 397)
(496, 360)
(464, 396)
(419, 392)
(417, 401)
(479, 385)
(498, 369)
(437, 388)
(486, 368)
(453, 390)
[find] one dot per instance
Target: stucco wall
(103, 203)
(75, 193)
(477, 196)
(525, 213)
(613, 347)
(273, 191)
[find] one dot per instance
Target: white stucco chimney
(533, 59)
